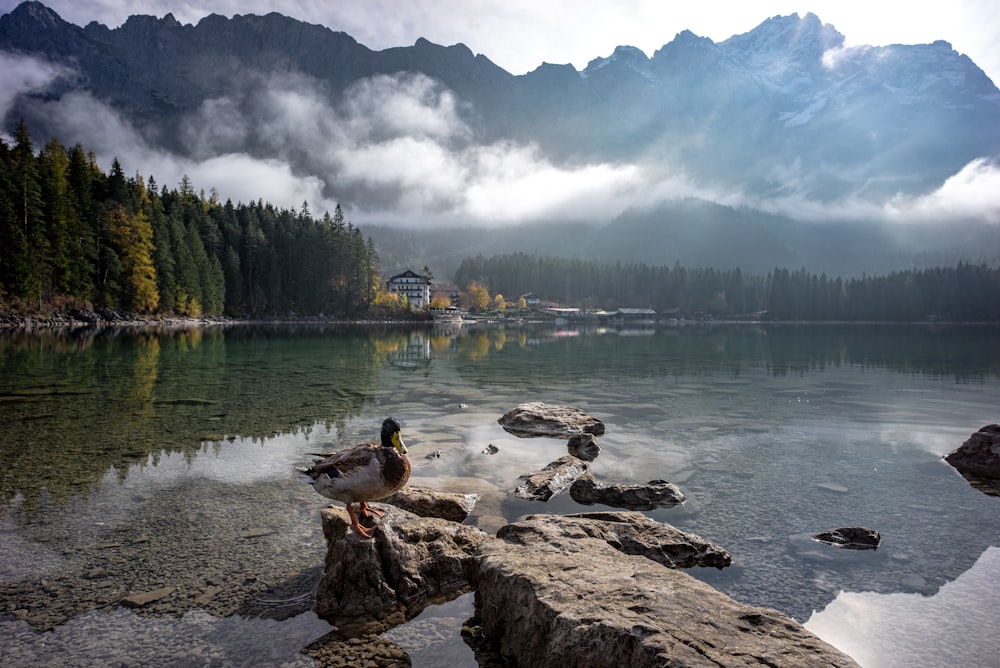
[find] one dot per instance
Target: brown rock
(540, 419)
(545, 600)
(369, 586)
(648, 496)
(139, 599)
(629, 532)
(979, 456)
(432, 503)
(551, 480)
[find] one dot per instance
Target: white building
(416, 288)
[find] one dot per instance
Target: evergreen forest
(964, 293)
(73, 236)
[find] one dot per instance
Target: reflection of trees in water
(74, 405)
(965, 353)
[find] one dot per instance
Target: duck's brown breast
(396, 472)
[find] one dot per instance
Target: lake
(162, 463)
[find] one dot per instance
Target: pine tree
(83, 176)
(30, 245)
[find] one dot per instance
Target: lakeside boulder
(551, 594)
(628, 532)
(370, 586)
(432, 503)
(575, 590)
(540, 419)
(978, 459)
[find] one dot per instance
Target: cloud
(391, 149)
(971, 194)
(396, 150)
(21, 75)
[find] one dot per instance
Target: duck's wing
(346, 461)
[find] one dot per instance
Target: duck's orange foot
(368, 511)
(358, 529)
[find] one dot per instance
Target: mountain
(780, 123)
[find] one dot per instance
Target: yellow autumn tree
(132, 237)
(440, 300)
(475, 296)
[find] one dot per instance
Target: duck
(363, 473)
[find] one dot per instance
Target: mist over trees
(73, 236)
(964, 293)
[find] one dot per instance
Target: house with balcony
(413, 286)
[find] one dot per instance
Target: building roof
(409, 273)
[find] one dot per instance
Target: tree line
(73, 236)
(964, 293)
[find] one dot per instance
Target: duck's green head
(391, 437)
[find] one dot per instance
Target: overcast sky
(519, 35)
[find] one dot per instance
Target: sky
(499, 182)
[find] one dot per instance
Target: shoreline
(117, 319)
(77, 319)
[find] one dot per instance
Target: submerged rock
(139, 599)
(850, 538)
(334, 651)
(540, 419)
(648, 496)
(551, 480)
(584, 446)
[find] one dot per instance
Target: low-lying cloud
(396, 150)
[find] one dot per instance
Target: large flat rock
(547, 599)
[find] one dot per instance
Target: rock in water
(628, 532)
(652, 495)
(540, 419)
(850, 538)
(584, 446)
(545, 600)
(978, 459)
(369, 586)
(551, 480)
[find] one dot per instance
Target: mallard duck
(366, 472)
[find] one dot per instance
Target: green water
(131, 461)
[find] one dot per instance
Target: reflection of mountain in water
(914, 630)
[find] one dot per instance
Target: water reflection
(913, 630)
